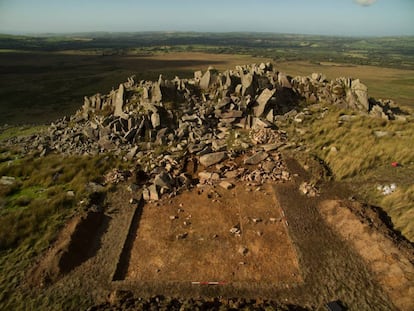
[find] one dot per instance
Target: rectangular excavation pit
(188, 239)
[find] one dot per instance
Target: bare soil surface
(293, 249)
(188, 239)
(394, 271)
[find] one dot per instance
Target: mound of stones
(169, 126)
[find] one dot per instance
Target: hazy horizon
(316, 17)
(80, 33)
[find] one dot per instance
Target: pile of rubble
(208, 120)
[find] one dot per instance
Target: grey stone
(283, 80)
(93, 187)
(153, 193)
(235, 230)
(163, 180)
(181, 236)
(156, 95)
(219, 145)
(256, 158)
(132, 152)
(208, 176)
(119, 102)
(347, 118)
(243, 250)
(7, 180)
(233, 174)
(262, 102)
(231, 114)
(258, 123)
(380, 134)
(155, 120)
(270, 117)
(205, 80)
(226, 185)
(212, 158)
(361, 92)
(145, 194)
(246, 80)
(271, 147)
(194, 148)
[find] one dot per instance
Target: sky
(325, 17)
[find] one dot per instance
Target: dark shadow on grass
(85, 241)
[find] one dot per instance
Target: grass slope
(355, 154)
(34, 208)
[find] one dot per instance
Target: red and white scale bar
(209, 283)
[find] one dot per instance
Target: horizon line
(68, 33)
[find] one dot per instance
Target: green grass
(35, 207)
(357, 156)
(19, 131)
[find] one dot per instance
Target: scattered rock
(236, 230)
(226, 185)
(387, 189)
(153, 193)
(181, 236)
(256, 158)
(308, 189)
(243, 250)
(7, 180)
(212, 158)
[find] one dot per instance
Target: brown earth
(325, 253)
(394, 272)
(207, 250)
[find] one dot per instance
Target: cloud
(365, 2)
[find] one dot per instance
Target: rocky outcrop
(209, 120)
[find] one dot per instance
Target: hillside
(144, 180)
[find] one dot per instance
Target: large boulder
(208, 79)
(156, 95)
(283, 80)
(262, 102)
(212, 158)
(361, 92)
(119, 102)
